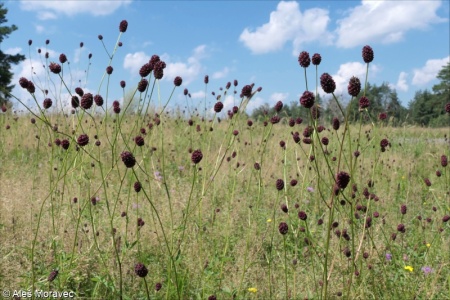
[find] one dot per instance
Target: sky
(251, 41)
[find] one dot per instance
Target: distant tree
(428, 108)
(421, 108)
(6, 59)
(442, 97)
(382, 99)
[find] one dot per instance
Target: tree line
(427, 108)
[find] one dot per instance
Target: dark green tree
(6, 60)
(428, 108)
(382, 99)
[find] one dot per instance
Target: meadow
(196, 203)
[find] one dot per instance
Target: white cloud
(385, 21)
(39, 28)
(220, 74)
(134, 61)
(33, 70)
(288, 24)
(255, 102)
(198, 95)
(52, 9)
(189, 70)
(428, 72)
(47, 15)
(13, 51)
(401, 84)
(275, 97)
(345, 72)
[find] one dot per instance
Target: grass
(214, 226)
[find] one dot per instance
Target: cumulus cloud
(198, 95)
(288, 24)
(13, 51)
(385, 21)
(275, 97)
(401, 84)
(134, 61)
(53, 9)
(255, 102)
(220, 74)
(429, 72)
(345, 72)
(188, 70)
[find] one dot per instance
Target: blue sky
(251, 41)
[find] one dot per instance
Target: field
(113, 201)
(212, 228)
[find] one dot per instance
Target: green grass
(227, 240)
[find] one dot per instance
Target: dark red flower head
(79, 91)
(98, 100)
(327, 83)
(123, 26)
(139, 140)
(278, 106)
(137, 186)
(23, 82)
(65, 144)
(140, 269)
(447, 107)
(401, 228)
(218, 107)
(142, 85)
(196, 156)
(342, 179)
(307, 99)
(303, 59)
(109, 70)
(86, 101)
(47, 103)
(30, 87)
(158, 70)
(364, 102)
(55, 68)
(247, 91)
(316, 59)
(83, 140)
(444, 160)
(177, 81)
(336, 123)
(128, 159)
(53, 275)
(403, 209)
(302, 215)
(75, 101)
(145, 70)
(153, 60)
(279, 184)
(62, 58)
(354, 86)
(367, 54)
(283, 228)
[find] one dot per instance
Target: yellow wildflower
(269, 220)
(409, 268)
(428, 245)
(252, 290)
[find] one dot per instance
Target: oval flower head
(252, 290)
(409, 268)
